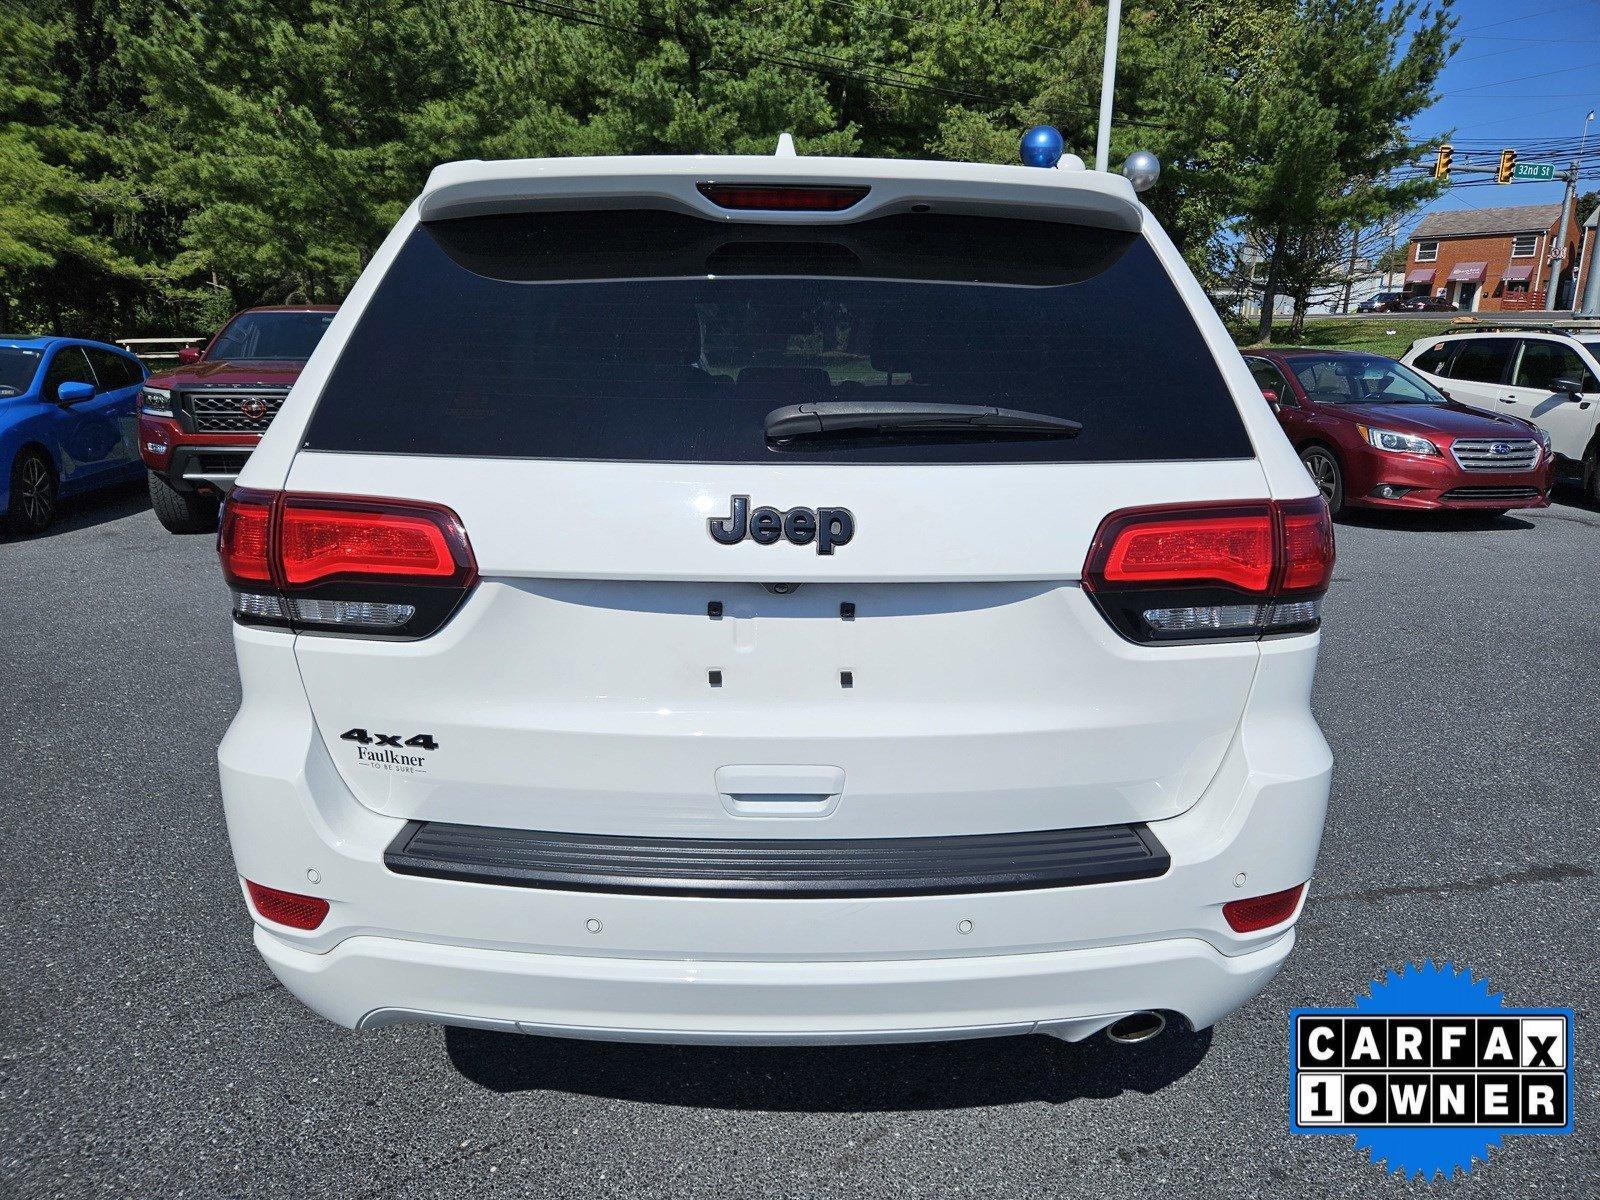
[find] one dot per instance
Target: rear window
(657, 336)
(114, 370)
(1482, 360)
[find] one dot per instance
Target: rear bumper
(1069, 993)
(1065, 960)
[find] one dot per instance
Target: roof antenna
(785, 147)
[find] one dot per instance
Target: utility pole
(1350, 273)
(1108, 85)
(1587, 292)
(1558, 249)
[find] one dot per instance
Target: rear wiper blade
(844, 417)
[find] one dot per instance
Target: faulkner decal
(395, 752)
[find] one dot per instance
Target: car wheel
(182, 512)
(34, 492)
(1324, 471)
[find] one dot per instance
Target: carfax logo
(1430, 1070)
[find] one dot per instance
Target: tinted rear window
(660, 336)
(1482, 360)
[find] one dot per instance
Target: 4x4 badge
(827, 527)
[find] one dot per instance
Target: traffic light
(1508, 164)
(1441, 165)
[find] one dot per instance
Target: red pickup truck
(199, 421)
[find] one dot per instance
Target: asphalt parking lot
(148, 1052)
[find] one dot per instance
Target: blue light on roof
(1042, 146)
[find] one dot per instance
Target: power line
(1524, 17)
(1548, 41)
(1521, 78)
(1534, 96)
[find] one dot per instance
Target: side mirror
(1270, 395)
(74, 393)
(189, 354)
(1570, 384)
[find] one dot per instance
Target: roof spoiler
(470, 189)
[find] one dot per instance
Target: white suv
(1551, 379)
(747, 599)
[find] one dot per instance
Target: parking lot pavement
(147, 1051)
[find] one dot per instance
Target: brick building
(1492, 259)
(1588, 274)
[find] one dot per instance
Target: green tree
(1321, 136)
(55, 248)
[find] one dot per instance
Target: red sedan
(1375, 434)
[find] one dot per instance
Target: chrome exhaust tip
(1136, 1027)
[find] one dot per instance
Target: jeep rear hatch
(589, 393)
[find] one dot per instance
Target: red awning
(1518, 274)
(1468, 272)
(1420, 275)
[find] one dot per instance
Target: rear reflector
(286, 908)
(782, 197)
(1262, 912)
(1225, 570)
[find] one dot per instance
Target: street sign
(1533, 171)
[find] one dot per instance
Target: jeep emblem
(827, 527)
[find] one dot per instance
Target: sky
(1526, 70)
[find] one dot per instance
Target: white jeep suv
(1549, 378)
(744, 599)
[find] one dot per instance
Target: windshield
(16, 370)
(1362, 379)
(663, 337)
(271, 336)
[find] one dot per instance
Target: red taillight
(1232, 547)
(318, 540)
(1226, 570)
(1307, 546)
(379, 567)
(1262, 912)
(782, 197)
(286, 908)
(242, 539)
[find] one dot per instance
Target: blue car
(69, 416)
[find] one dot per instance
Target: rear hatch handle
(779, 791)
(822, 418)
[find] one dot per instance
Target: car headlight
(1397, 443)
(156, 401)
(1544, 438)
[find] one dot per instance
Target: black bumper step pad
(777, 868)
